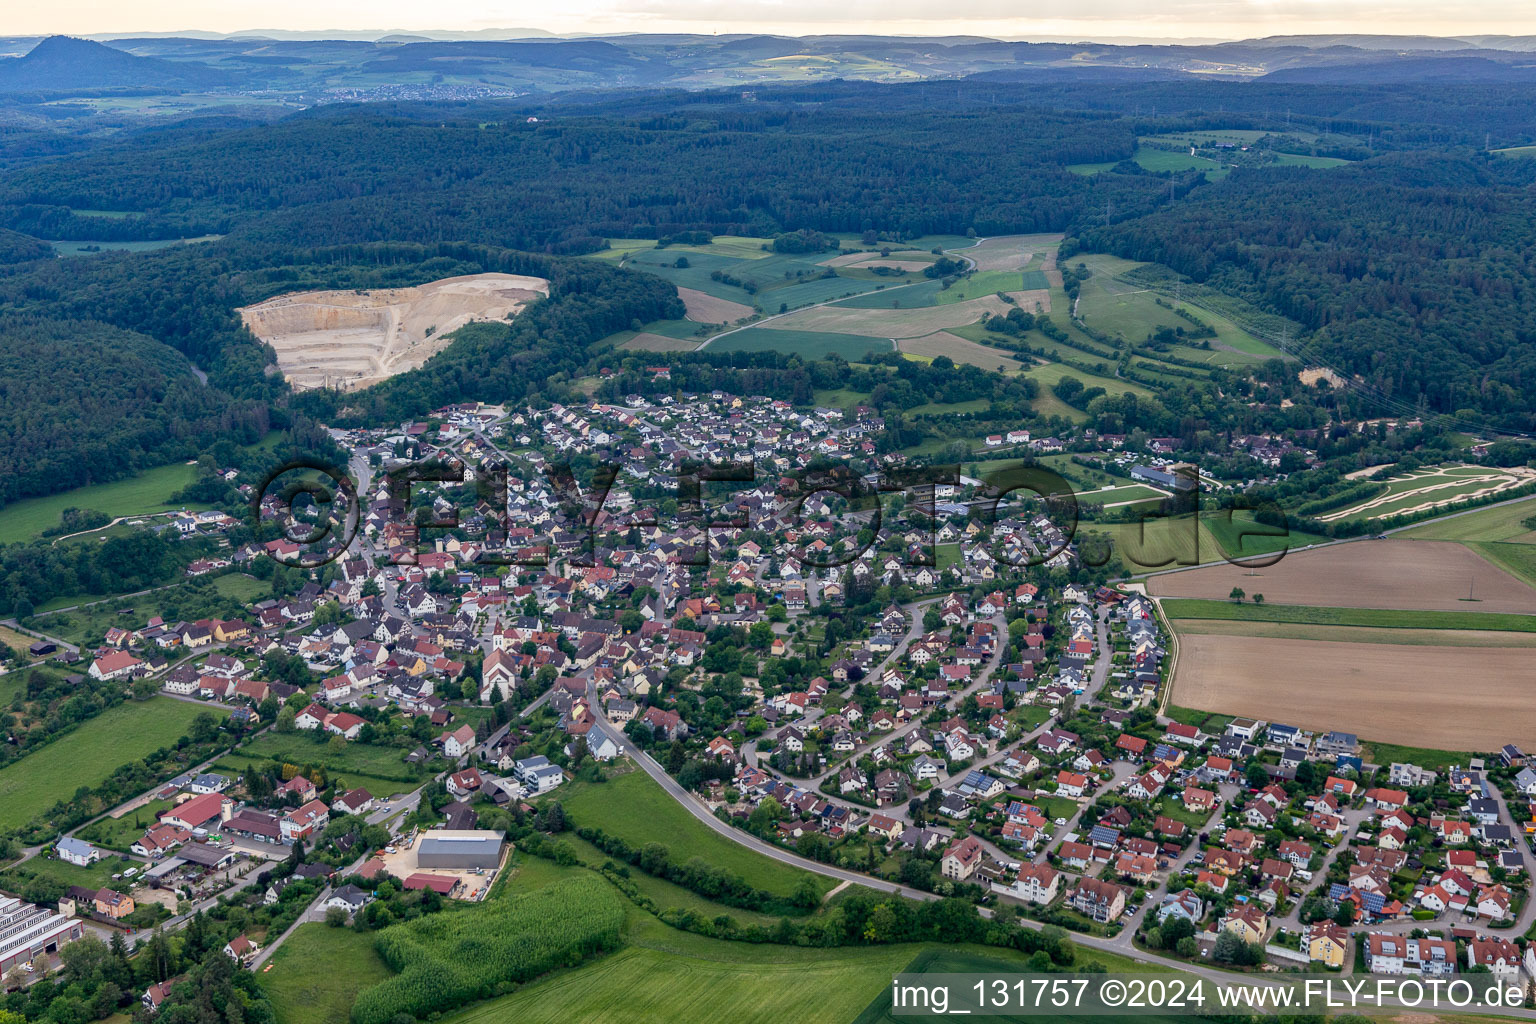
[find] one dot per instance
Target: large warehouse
(459, 850)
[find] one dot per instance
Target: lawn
(299, 748)
(637, 810)
(1300, 160)
(145, 492)
(806, 344)
(120, 833)
(1194, 608)
(90, 753)
(318, 971)
(840, 398)
(1434, 760)
(93, 876)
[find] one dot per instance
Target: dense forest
(1414, 271)
(1407, 268)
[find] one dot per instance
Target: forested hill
(364, 175)
(1415, 270)
(95, 378)
(82, 402)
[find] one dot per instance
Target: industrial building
(28, 931)
(459, 850)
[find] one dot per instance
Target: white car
(1061, 821)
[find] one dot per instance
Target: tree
(1237, 595)
(335, 917)
(1258, 598)
(285, 719)
(204, 728)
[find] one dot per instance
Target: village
(942, 705)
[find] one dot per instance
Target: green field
(146, 492)
(1156, 160)
(1516, 559)
(1494, 523)
(1240, 536)
(1050, 374)
(93, 876)
(1301, 160)
(668, 975)
(1195, 608)
(93, 620)
(975, 960)
(842, 398)
(990, 282)
(90, 753)
(806, 344)
(318, 971)
(299, 748)
(637, 810)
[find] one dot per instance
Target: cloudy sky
(1082, 19)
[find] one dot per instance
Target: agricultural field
(1431, 488)
(318, 972)
(1384, 691)
(712, 310)
(668, 975)
(990, 282)
(1013, 252)
(961, 350)
(91, 753)
(648, 342)
(1495, 523)
(1369, 635)
(1050, 374)
(142, 494)
(1412, 575)
(805, 343)
(632, 807)
(1375, 618)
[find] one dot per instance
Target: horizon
(1107, 21)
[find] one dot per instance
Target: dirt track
(1419, 575)
(1446, 698)
(350, 339)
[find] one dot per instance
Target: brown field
(1419, 575)
(706, 309)
(351, 339)
(962, 350)
(647, 342)
(1012, 252)
(916, 322)
(1378, 691)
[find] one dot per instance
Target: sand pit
(350, 339)
(1378, 691)
(1420, 575)
(707, 309)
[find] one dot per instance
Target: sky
(1081, 19)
